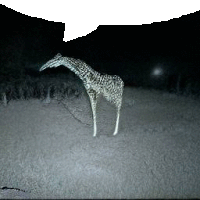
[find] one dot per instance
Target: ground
(48, 151)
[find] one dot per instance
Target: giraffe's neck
(80, 68)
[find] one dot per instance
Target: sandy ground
(47, 150)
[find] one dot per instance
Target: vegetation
(24, 87)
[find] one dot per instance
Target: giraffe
(110, 86)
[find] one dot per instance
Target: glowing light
(157, 71)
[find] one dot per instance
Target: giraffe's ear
(58, 55)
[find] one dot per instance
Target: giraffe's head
(58, 55)
(55, 62)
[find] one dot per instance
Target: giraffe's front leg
(93, 100)
(94, 120)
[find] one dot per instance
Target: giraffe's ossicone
(110, 86)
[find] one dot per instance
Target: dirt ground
(48, 151)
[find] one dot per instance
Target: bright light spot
(157, 72)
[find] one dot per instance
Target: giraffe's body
(110, 86)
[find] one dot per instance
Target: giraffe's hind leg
(117, 120)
